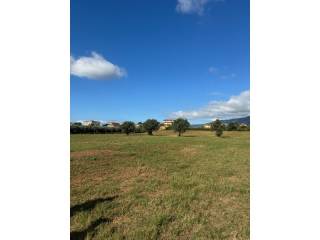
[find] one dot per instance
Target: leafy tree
(151, 125)
(219, 132)
(180, 125)
(233, 126)
(128, 127)
(76, 124)
(217, 126)
(139, 128)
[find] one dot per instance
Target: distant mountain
(245, 120)
(196, 125)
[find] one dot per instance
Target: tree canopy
(217, 126)
(128, 127)
(180, 125)
(151, 125)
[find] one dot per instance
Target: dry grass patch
(128, 177)
(91, 153)
(191, 187)
(189, 151)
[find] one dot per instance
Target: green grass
(160, 187)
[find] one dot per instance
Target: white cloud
(193, 6)
(95, 67)
(236, 106)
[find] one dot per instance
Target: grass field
(160, 187)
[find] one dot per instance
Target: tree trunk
(179, 134)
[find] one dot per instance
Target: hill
(244, 120)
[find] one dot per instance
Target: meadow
(160, 187)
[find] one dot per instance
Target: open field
(160, 187)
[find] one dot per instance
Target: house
(206, 126)
(112, 125)
(91, 123)
(162, 127)
(168, 122)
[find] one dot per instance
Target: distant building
(162, 127)
(112, 125)
(168, 122)
(207, 126)
(91, 123)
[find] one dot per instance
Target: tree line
(179, 125)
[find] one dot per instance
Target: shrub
(139, 129)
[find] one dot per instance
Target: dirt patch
(189, 151)
(91, 153)
(134, 172)
(121, 220)
(233, 179)
(129, 175)
(88, 178)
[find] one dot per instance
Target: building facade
(91, 123)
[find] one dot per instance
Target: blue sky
(133, 60)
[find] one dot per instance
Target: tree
(180, 125)
(219, 132)
(233, 126)
(217, 126)
(128, 127)
(151, 125)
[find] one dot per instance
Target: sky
(134, 60)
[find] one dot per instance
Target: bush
(139, 129)
(94, 129)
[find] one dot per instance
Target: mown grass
(160, 187)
